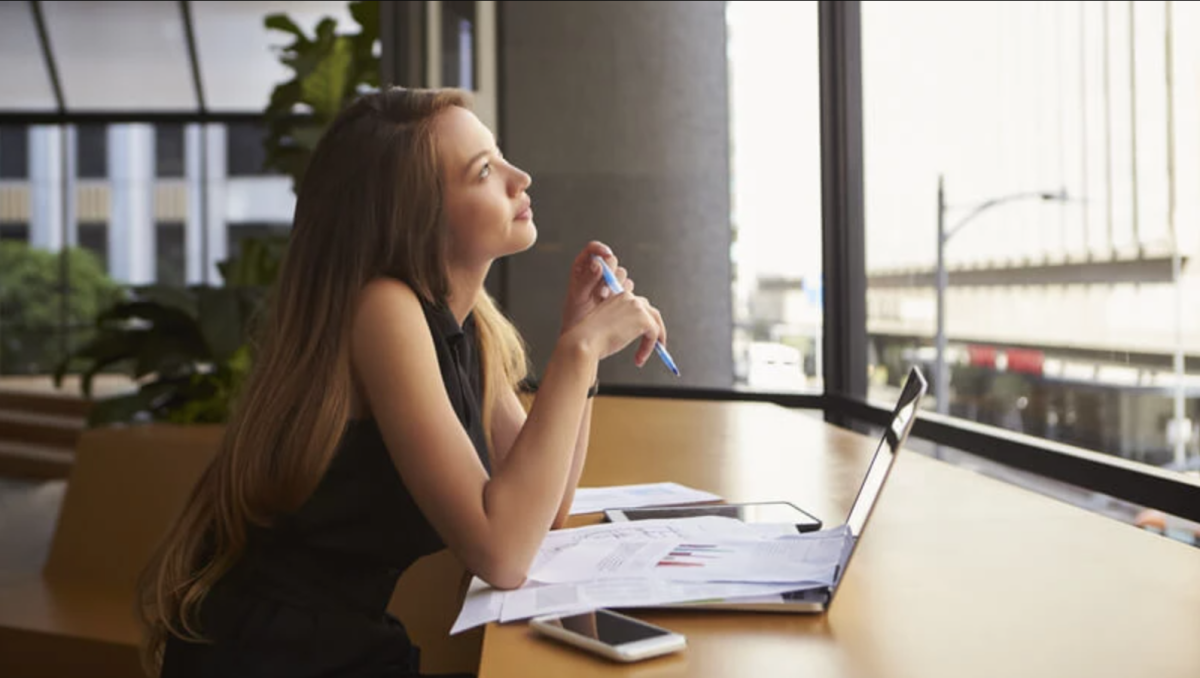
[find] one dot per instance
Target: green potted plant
(186, 347)
(328, 71)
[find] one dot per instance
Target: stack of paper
(595, 499)
(655, 562)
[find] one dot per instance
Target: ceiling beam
(39, 21)
(185, 10)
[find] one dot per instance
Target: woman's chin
(527, 232)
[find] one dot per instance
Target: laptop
(818, 600)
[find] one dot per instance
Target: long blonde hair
(370, 205)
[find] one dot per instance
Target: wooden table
(956, 575)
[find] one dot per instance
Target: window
(91, 151)
(169, 150)
(245, 153)
(14, 152)
(171, 254)
(1054, 143)
(776, 195)
(93, 237)
(458, 44)
(14, 232)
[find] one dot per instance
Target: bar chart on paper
(694, 555)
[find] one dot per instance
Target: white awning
(124, 59)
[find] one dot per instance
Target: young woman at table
(381, 422)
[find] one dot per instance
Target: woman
(381, 422)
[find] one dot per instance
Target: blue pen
(616, 288)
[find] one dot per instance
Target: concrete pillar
(131, 236)
(70, 205)
(216, 236)
(193, 226)
(46, 187)
(620, 112)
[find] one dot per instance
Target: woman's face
(487, 211)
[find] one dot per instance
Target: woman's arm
(578, 459)
(506, 424)
(494, 525)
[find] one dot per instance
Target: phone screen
(607, 627)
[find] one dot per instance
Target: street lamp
(941, 277)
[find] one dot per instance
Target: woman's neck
(466, 284)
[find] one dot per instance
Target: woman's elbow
(503, 570)
(505, 579)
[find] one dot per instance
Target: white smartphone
(610, 634)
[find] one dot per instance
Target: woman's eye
(485, 171)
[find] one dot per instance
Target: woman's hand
(586, 287)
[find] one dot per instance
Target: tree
(31, 309)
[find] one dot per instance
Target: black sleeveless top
(310, 595)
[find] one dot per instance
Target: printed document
(595, 499)
(809, 558)
(485, 604)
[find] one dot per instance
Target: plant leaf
(163, 395)
(108, 348)
(324, 87)
(284, 98)
(170, 296)
(367, 16)
(281, 22)
(165, 354)
(165, 318)
(221, 322)
(325, 30)
(118, 409)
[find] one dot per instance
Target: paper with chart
(595, 499)
(485, 604)
(648, 530)
(811, 558)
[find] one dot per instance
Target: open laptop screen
(894, 436)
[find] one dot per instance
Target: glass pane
(91, 151)
(245, 152)
(170, 254)
(237, 63)
(1053, 145)
(776, 192)
(14, 232)
(93, 237)
(14, 151)
(127, 56)
(168, 150)
(458, 43)
(24, 82)
(1115, 508)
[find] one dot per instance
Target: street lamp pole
(942, 276)
(941, 379)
